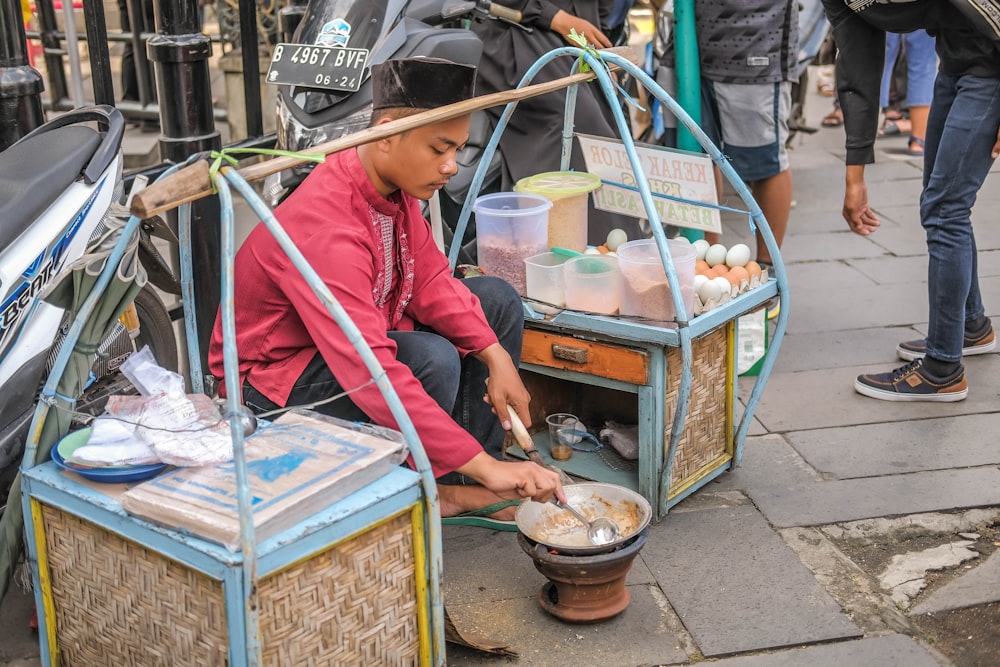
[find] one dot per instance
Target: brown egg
(701, 267)
(753, 269)
(737, 275)
(717, 271)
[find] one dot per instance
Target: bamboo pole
(193, 182)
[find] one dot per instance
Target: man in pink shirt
(357, 220)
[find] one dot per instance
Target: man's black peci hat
(421, 83)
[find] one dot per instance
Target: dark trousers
(456, 384)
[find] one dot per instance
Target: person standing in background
(747, 51)
(917, 48)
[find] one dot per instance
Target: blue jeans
(456, 384)
(961, 131)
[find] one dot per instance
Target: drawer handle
(577, 355)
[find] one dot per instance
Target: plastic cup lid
(559, 183)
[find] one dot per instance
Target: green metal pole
(688, 81)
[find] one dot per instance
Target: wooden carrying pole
(193, 182)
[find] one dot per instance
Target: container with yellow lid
(567, 190)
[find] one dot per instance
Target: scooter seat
(35, 171)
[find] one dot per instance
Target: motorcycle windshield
(356, 24)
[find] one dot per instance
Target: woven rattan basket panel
(118, 603)
(354, 604)
(705, 435)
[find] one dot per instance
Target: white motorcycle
(58, 185)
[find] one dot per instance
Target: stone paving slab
(835, 273)
(833, 349)
(877, 449)
(790, 493)
(824, 307)
(886, 651)
(825, 398)
(740, 590)
(980, 585)
(901, 270)
(637, 636)
(901, 236)
(824, 246)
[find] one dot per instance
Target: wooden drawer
(585, 356)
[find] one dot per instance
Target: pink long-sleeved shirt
(379, 260)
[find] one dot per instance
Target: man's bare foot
(455, 499)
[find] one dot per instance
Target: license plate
(330, 67)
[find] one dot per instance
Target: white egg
(700, 247)
(725, 287)
(709, 291)
(738, 255)
(699, 280)
(616, 237)
(716, 254)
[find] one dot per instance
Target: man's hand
(504, 388)
(514, 479)
(859, 217)
(564, 22)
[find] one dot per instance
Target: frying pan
(559, 530)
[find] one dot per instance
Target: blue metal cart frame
(688, 327)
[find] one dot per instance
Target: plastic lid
(559, 183)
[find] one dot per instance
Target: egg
(700, 248)
(616, 237)
(725, 287)
(709, 291)
(701, 267)
(738, 255)
(716, 254)
(699, 280)
(737, 275)
(591, 250)
(753, 268)
(717, 270)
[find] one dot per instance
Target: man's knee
(495, 295)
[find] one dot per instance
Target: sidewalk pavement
(792, 558)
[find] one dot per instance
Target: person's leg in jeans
(433, 360)
(961, 131)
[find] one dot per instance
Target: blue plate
(113, 475)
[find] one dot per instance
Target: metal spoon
(600, 531)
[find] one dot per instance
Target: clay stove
(584, 588)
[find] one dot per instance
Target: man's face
(421, 161)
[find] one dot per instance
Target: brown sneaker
(981, 343)
(912, 382)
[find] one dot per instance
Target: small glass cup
(561, 434)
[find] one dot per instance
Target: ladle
(600, 531)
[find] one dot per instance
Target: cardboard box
(298, 465)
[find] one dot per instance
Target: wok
(559, 530)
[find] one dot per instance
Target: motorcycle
(59, 186)
(324, 87)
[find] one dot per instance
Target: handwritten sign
(669, 172)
